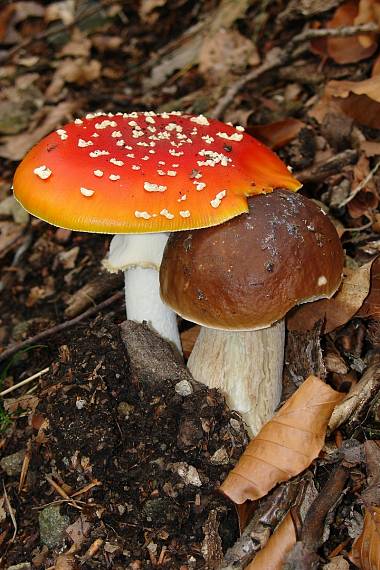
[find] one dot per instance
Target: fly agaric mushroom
(238, 280)
(143, 173)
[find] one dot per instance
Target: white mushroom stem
(139, 256)
(245, 366)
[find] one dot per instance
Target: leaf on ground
(371, 495)
(226, 53)
(15, 147)
(340, 308)
(349, 49)
(277, 134)
(366, 200)
(371, 304)
(286, 445)
(366, 548)
(272, 556)
(359, 100)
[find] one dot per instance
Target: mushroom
(145, 174)
(238, 280)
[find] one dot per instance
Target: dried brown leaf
(349, 49)
(286, 445)
(277, 134)
(366, 548)
(226, 52)
(340, 308)
(272, 556)
(371, 304)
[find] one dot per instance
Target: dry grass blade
(366, 548)
(286, 445)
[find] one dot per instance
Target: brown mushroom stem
(246, 366)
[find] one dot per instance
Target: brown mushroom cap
(248, 272)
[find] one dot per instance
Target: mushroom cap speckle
(145, 172)
(249, 272)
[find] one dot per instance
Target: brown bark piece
(92, 291)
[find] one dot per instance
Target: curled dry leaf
(371, 304)
(340, 308)
(272, 556)
(366, 199)
(277, 134)
(359, 100)
(348, 49)
(286, 445)
(366, 548)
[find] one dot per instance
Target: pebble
(183, 388)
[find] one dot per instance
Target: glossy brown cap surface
(250, 271)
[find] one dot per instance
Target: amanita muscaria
(238, 280)
(140, 176)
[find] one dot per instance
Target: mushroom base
(245, 366)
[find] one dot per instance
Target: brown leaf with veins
(286, 445)
(338, 310)
(366, 548)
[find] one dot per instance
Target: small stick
(25, 466)
(277, 57)
(23, 382)
(61, 327)
(11, 513)
(61, 492)
(86, 488)
(362, 185)
(93, 549)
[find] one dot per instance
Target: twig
(61, 327)
(10, 511)
(362, 185)
(279, 56)
(23, 382)
(271, 510)
(25, 466)
(58, 489)
(303, 555)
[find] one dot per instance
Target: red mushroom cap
(146, 172)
